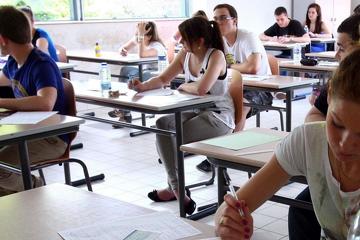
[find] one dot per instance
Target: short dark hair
(351, 26)
(357, 9)
(200, 13)
(280, 10)
(27, 10)
(14, 25)
(231, 9)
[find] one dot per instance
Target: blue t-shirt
(38, 71)
(40, 33)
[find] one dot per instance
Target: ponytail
(216, 37)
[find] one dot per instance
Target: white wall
(354, 3)
(255, 15)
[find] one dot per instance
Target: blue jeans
(127, 73)
(302, 223)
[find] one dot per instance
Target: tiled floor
(132, 170)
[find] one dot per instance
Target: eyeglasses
(222, 18)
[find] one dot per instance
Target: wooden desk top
(90, 90)
(107, 56)
(322, 66)
(256, 160)
(276, 81)
(322, 55)
(38, 214)
(52, 123)
(278, 45)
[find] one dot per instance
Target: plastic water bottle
(354, 230)
(297, 53)
(306, 29)
(162, 61)
(97, 50)
(105, 77)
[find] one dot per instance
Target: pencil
(232, 190)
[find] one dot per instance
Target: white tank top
(224, 108)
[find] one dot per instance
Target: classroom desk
(223, 158)
(63, 67)
(276, 46)
(325, 69)
(40, 213)
(111, 58)
(20, 134)
(276, 83)
(173, 104)
(327, 56)
(322, 40)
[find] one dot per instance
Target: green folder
(242, 140)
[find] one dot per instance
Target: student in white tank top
(203, 61)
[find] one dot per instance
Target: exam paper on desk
(170, 227)
(26, 117)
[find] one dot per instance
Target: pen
(232, 190)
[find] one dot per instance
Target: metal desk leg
(180, 159)
(288, 110)
(221, 185)
(25, 166)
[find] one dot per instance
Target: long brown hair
(153, 33)
(345, 84)
(195, 28)
(318, 21)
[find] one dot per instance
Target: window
(45, 10)
(115, 9)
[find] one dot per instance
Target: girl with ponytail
(203, 62)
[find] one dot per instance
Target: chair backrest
(236, 92)
(69, 101)
(274, 64)
(61, 53)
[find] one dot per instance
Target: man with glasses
(244, 52)
(302, 223)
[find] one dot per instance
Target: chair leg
(86, 172)
(41, 173)
(281, 120)
(206, 183)
(67, 173)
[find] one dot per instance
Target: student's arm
(215, 68)
(43, 101)
(303, 39)
(43, 45)
(264, 37)
(254, 193)
(4, 81)
(250, 66)
(163, 79)
(124, 49)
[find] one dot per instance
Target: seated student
(317, 28)
(149, 45)
(303, 223)
(40, 38)
(285, 30)
(175, 39)
(203, 61)
(245, 53)
(37, 86)
(326, 153)
(348, 37)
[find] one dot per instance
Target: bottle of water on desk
(297, 53)
(105, 77)
(354, 230)
(306, 28)
(162, 62)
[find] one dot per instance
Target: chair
(275, 70)
(61, 53)
(65, 158)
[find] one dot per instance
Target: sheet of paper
(167, 224)
(157, 92)
(142, 235)
(255, 78)
(242, 140)
(328, 63)
(26, 117)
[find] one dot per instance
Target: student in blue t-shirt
(37, 86)
(40, 38)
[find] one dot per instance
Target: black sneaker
(204, 166)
